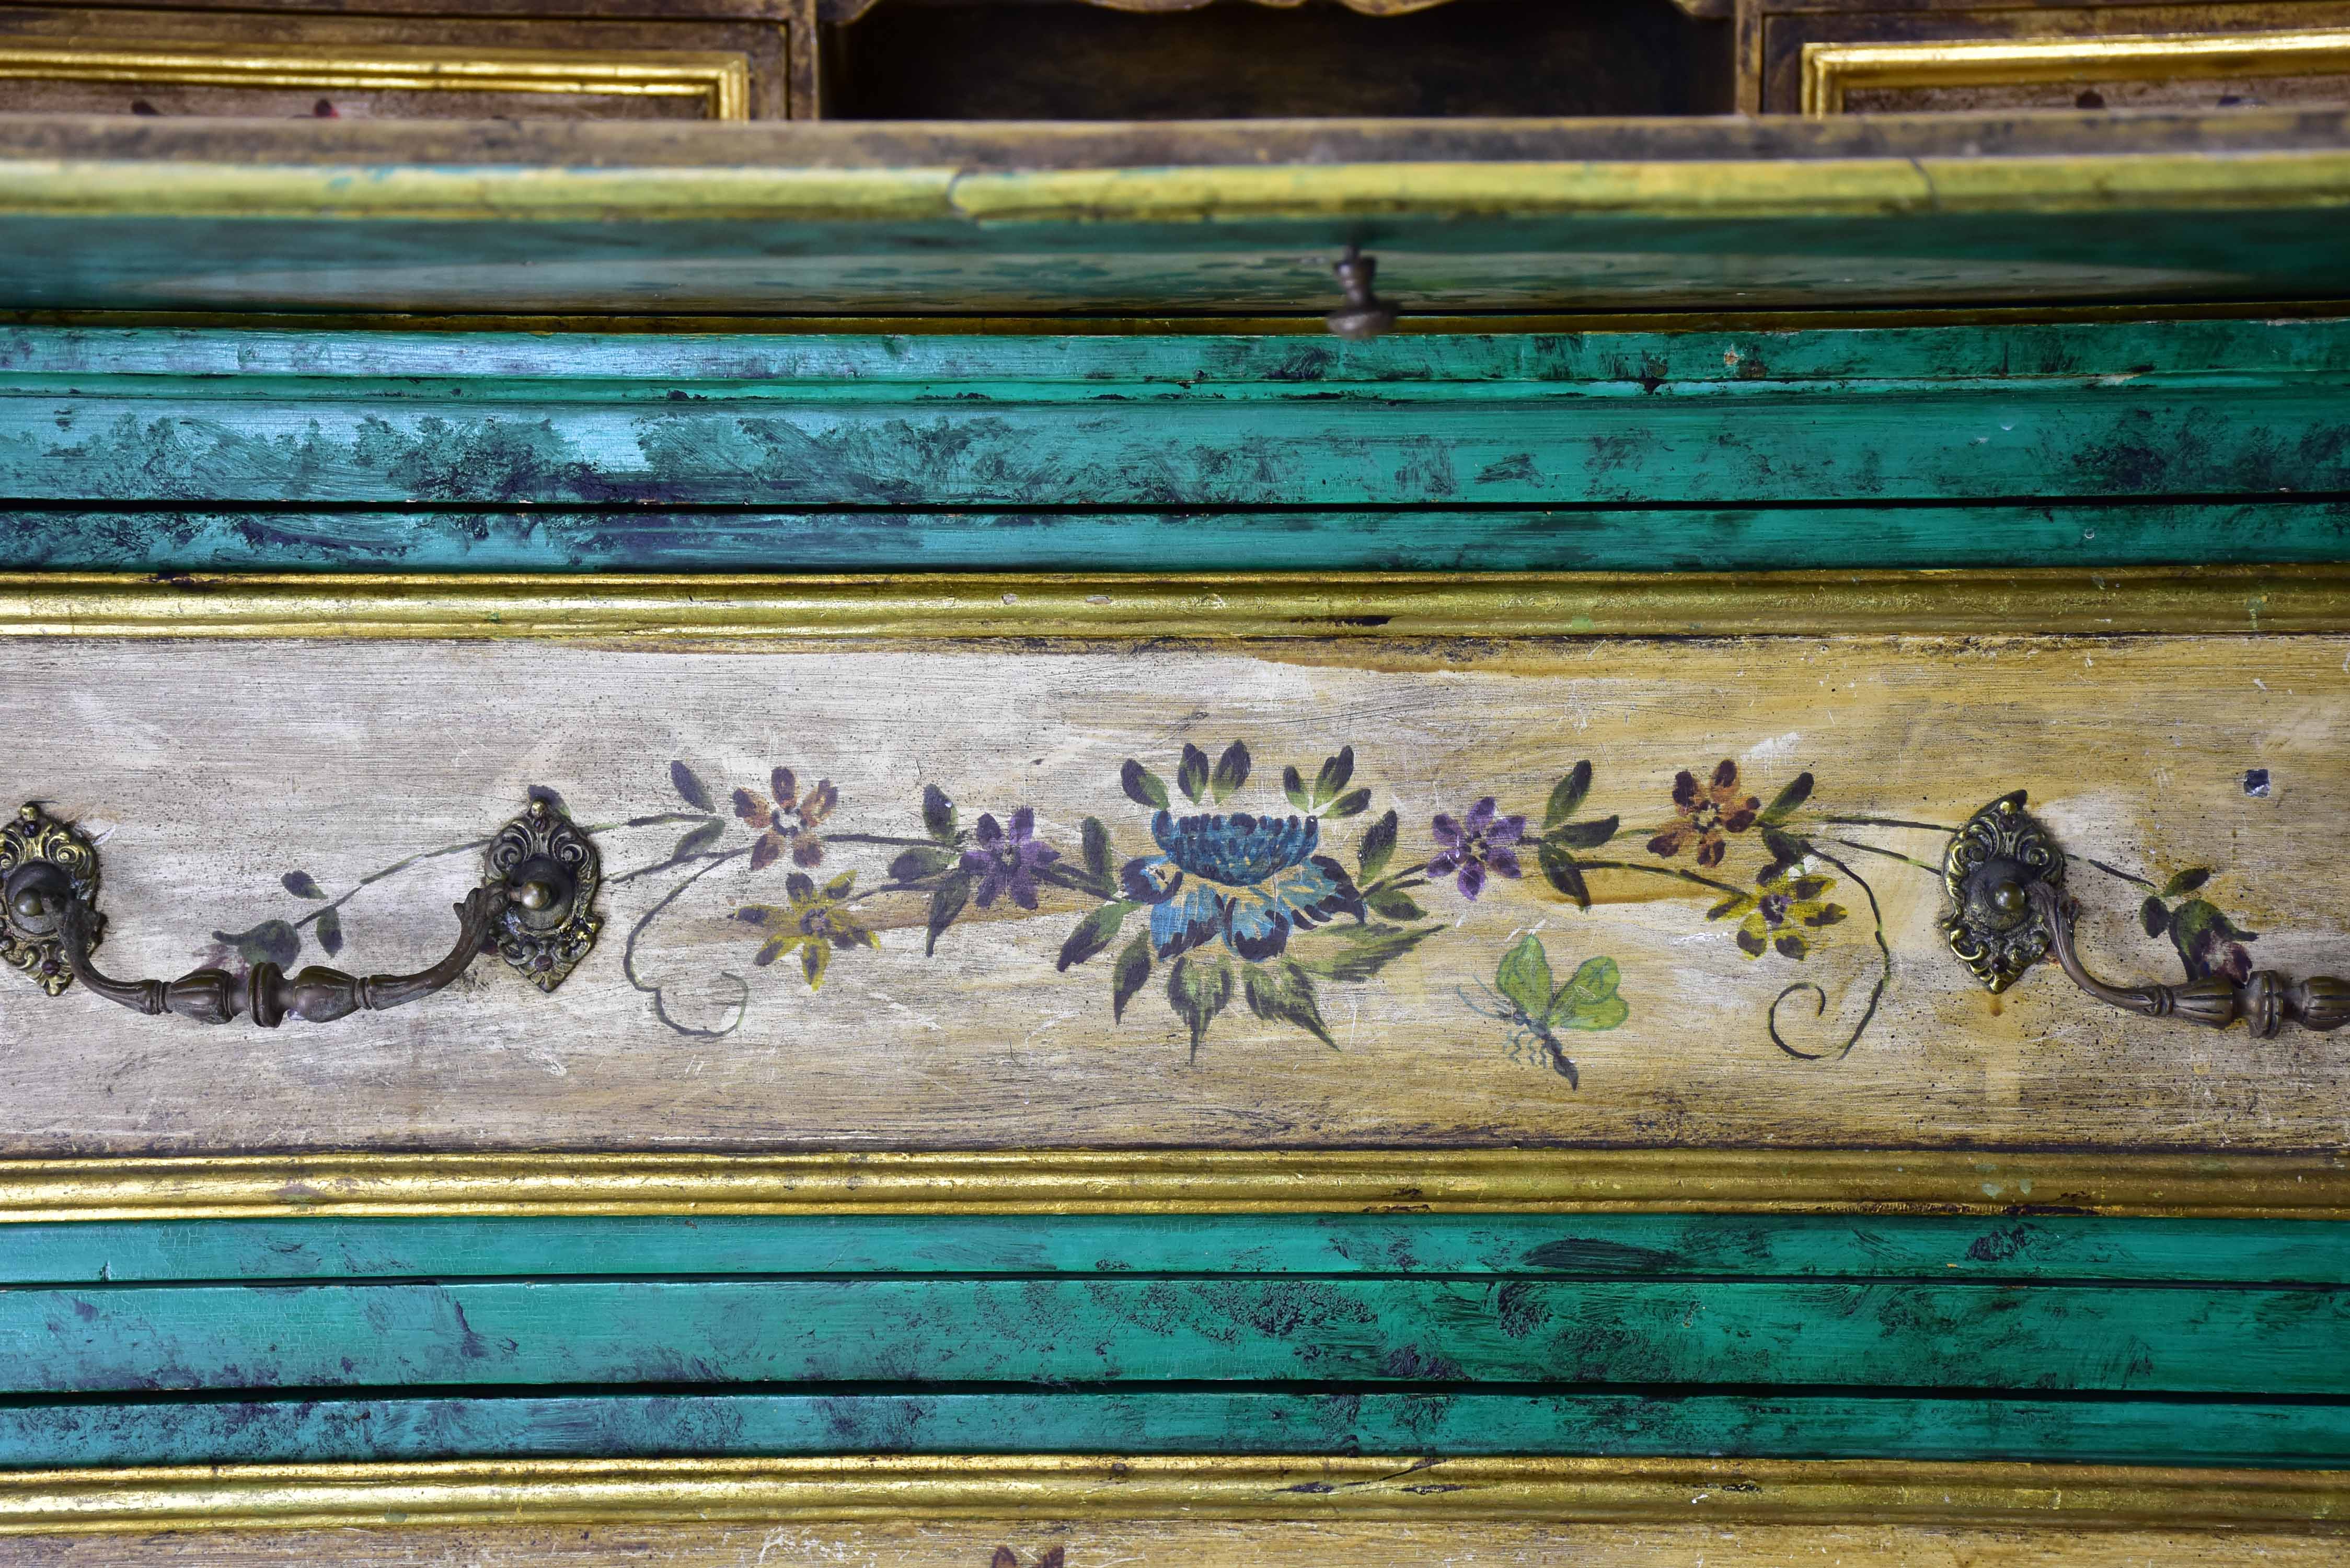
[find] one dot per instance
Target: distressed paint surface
(901, 426)
(1427, 1425)
(1190, 1543)
(1598, 1245)
(348, 761)
(139, 1338)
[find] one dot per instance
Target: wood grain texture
(1196, 1543)
(2138, 752)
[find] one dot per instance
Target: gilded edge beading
(722, 81)
(1832, 69)
(884, 1488)
(2313, 1186)
(718, 607)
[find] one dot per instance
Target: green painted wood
(2055, 1248)
(722, 1426)
(813, 433)
(966, 233)
(1126, 1329)
(1599, 539)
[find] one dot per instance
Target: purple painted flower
(1486, 842)
(1007, 862)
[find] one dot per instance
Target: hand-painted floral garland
(1258, 909)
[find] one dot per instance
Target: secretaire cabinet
(1319, 843)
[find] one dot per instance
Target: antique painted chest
(831, 844)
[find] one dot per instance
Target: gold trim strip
(1646, 1491)
(1830, 70)
(767, 609)
(722, 81)
(1170, 1181)
(1694, 189)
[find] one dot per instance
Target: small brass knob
(538, 896)
(2008, 898)
(29, 904)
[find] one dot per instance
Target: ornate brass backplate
(45, 866)
(552, 871)
(1994, 926)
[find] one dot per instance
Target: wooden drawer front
(1837, 61)
(321, 67)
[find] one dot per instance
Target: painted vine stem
(1232, 907)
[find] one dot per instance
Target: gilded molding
(1695, 189)
(1831, 70)
(722, 81)
(1195, 1180)
(650, 609)
(1748, 1491)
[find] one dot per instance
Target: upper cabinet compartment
(1232, 59)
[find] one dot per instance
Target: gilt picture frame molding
(653, 609)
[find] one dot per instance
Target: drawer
(1834, 60)
(175, 63)
(1361, 1051)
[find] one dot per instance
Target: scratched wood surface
(1195, 1544)
(2196, 781)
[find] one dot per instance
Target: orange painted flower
(1710, 813)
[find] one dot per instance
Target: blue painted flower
(1253, 880)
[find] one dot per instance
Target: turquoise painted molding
(2057, 444)
(1595, 1246)
(1426, 1424)
(2018, 1337)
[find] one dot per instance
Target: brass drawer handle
(534, 907)
(2006, 881)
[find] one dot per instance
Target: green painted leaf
(1525, 977)
(1097, 851)
(1787, 800)
(698, 838)
(1336, 772)
(1786, 849)
(1390, 904)
(1736, 904)
(1232, 771)
(1293, 785)
(1377, 847)
(938, 813)
(1198, 989)
(299, 883)
(1353, 803)
(916, 864)
(1589, 1000)
(1559, 869)
(1284, 994)
(2187, 881)
(689, 789)
(330, 931)
(2155, 915)
(1127, 974)
(1369, 949)
(1191, 776)
(272, 941)
(1094, 933)
(945, 905)
(1566, 795)
(1582, 835)
(1142, 786)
